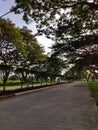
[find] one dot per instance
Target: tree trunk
(21, 81)
(88, 77)
(4, 82)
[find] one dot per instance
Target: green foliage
(10, 41)
(54, 65)
(18, 48)
(45, 13)
(9, 33)
(94, 88)
(35, 54)
(34, 51)
(76, 35)
(74, 73)
(74, 25)
(11, 83)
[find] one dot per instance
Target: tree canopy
(10, 41)
(47, 13)
(18, 48)
(73, 25)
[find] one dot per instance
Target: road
(66, 107)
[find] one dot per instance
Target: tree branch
(6, 13)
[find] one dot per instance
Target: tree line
(73, 25)
(21, 54)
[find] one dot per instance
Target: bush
(11, 82)
(94, 88)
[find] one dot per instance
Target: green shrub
(11, 82)
(94, 88)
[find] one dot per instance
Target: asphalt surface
(66, 107)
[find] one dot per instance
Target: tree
(10, 39)
(71, 22)
(44, 12)
(22, 72)
(35, 52)
(34, 55)
(70, 18)
(54, 65)
(58, 12)
(60, 15)
(76, 36)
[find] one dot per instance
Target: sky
(17, 19)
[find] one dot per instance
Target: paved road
(66, 107)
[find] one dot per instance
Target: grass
(11, 83)
(94, 88)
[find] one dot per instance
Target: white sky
(17, 19)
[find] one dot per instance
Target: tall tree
(10, 39)
(34, 51)
(34, 55)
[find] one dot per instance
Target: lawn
(94, 88)
(13, 84)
